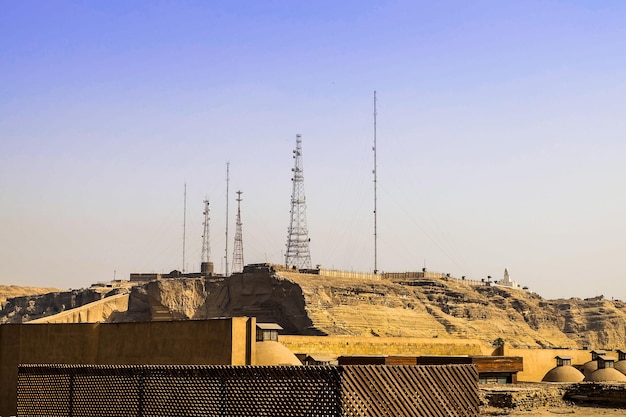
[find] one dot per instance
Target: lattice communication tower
(206, 248)
(227, 197)
(238, 250)
(298, 254)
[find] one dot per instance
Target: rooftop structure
(606, 371)
(267, 331)
(591, 366)
(563, 372)
(620, 365)
(595, 354)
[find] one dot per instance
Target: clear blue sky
(501, 136)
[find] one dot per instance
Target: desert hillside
(22, 304)
(443, 308)
(311, 304)
(12, 291)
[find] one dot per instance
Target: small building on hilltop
(206, 270)
(507, 282)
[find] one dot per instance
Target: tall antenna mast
(226, 252)
(184, 225)
(375, 195)
(298, 253)
(206, 248)
(238, 250)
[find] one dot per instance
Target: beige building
(227, 341)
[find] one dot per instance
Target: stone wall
(607, 394)
(523, 397)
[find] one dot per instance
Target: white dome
(606, 375)
(565, 373)
(271, 353)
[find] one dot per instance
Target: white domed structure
(621, 364)
(270, 353)
(607, 375)
(563, 372)
(591, 366)
(606, 371)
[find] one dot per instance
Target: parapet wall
(196, 342)
(391, 276)
(363, 346)
(350, 274)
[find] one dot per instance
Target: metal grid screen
(409, 390)
(277, 391)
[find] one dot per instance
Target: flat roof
(269, 326)
(321, 358)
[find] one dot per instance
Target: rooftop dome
(563, 374)
(621, 366)
(589, 368)
(269, 353)
(606, 375)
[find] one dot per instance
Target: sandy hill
(314, 304)
(444, 308)
(22, 304)
(12, 291)
(317, 305)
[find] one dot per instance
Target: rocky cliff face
(433, 308)
(261, 294)
(316, 305)
(313, 304)
(12, 291)
(30, 307)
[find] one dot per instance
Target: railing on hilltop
(474, 282)
(405, 277)
(395, 276)
(350, 274)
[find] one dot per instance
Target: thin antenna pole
(206, 246)
(226, 252)
(184, 225)
(375, 195)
